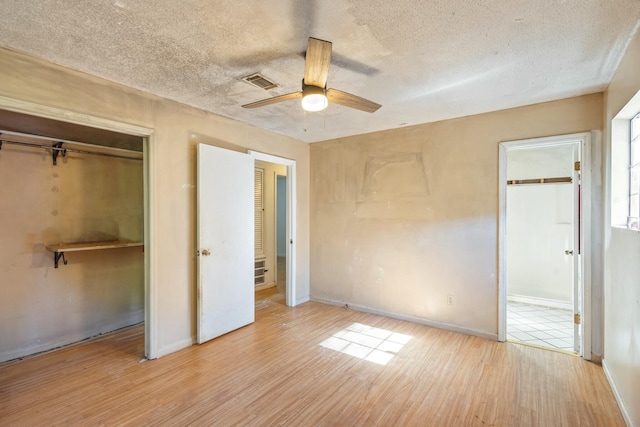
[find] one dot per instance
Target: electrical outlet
(450, 299)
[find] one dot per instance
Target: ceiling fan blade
(274, 100)
(352, 101)
(316, 65)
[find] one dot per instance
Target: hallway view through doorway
(275, 294)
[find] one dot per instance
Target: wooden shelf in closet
(59, 249)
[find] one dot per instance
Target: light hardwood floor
(274, 372)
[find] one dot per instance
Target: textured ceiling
(422, 60)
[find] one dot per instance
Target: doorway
(270, 234)
(542, 256)
(226, 200)
(284, 189)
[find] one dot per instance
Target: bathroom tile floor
(541, 326)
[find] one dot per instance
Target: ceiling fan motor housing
(313, 90)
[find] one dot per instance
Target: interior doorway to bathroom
(541, 234)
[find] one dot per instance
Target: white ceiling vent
(260, 81)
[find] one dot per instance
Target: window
(625, 166)
(633, 221)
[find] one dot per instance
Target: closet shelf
(59, 249)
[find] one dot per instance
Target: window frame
(633, 217)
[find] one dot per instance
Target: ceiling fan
(315, 95)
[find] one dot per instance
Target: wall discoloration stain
(394, 177)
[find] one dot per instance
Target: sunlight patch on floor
(365, 342)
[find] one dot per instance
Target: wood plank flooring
(274, 372)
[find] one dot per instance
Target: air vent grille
(260, 81)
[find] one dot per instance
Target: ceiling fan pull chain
(324, 119)
(304, 114)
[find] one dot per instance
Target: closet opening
(74, 209)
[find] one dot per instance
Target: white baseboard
(544, 302)
(302, 300)
(408, 318)
(75, 337)
(616, 394)
(265, 286)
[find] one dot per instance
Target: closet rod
(60, 149)
(561, 180)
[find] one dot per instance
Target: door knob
(568, 252)
(205, 252)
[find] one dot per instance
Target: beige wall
(401, 219)
(172, 174)
(83, 198)
(622, 266)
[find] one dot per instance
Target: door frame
(149, 182)
(584, 141)
(291, 219)
(275, 218)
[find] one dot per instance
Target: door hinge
(576, 318)
(576, 166)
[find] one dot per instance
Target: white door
(576, 253)
(225, 241)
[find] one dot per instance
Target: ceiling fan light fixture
(314, 98)
(314, 102)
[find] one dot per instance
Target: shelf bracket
(56, 258)
(57, 149)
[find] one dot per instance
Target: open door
(225, 241)
(576, 252)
